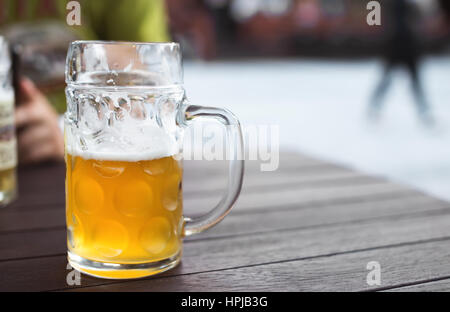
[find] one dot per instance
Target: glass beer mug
(126, 114)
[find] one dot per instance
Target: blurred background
(340, 90)
(376, 98)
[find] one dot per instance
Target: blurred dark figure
(402, 51)
(445, 5)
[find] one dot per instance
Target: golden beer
(127, 114)
(8, 185)
(123, 212)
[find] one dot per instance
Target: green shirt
(126, 20)
(122, 20)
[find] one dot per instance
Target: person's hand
(39, 136)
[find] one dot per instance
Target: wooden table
(309, 226)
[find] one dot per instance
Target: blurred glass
(8, 151)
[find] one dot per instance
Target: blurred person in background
(402, 50)
(39, 34)
(445, 5)
(193, 24)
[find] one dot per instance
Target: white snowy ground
(321, 107)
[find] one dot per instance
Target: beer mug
(8, 149)
(126, 114)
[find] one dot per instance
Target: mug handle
(187, 115)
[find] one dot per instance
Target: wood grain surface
(309, 226)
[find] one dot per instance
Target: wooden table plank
(302, 196)
(201, 177)
(309, 213)
(441, 284)
(51, 215)
(340, 272)
(52, 240)
(260, 248)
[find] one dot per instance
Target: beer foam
(151, 143)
